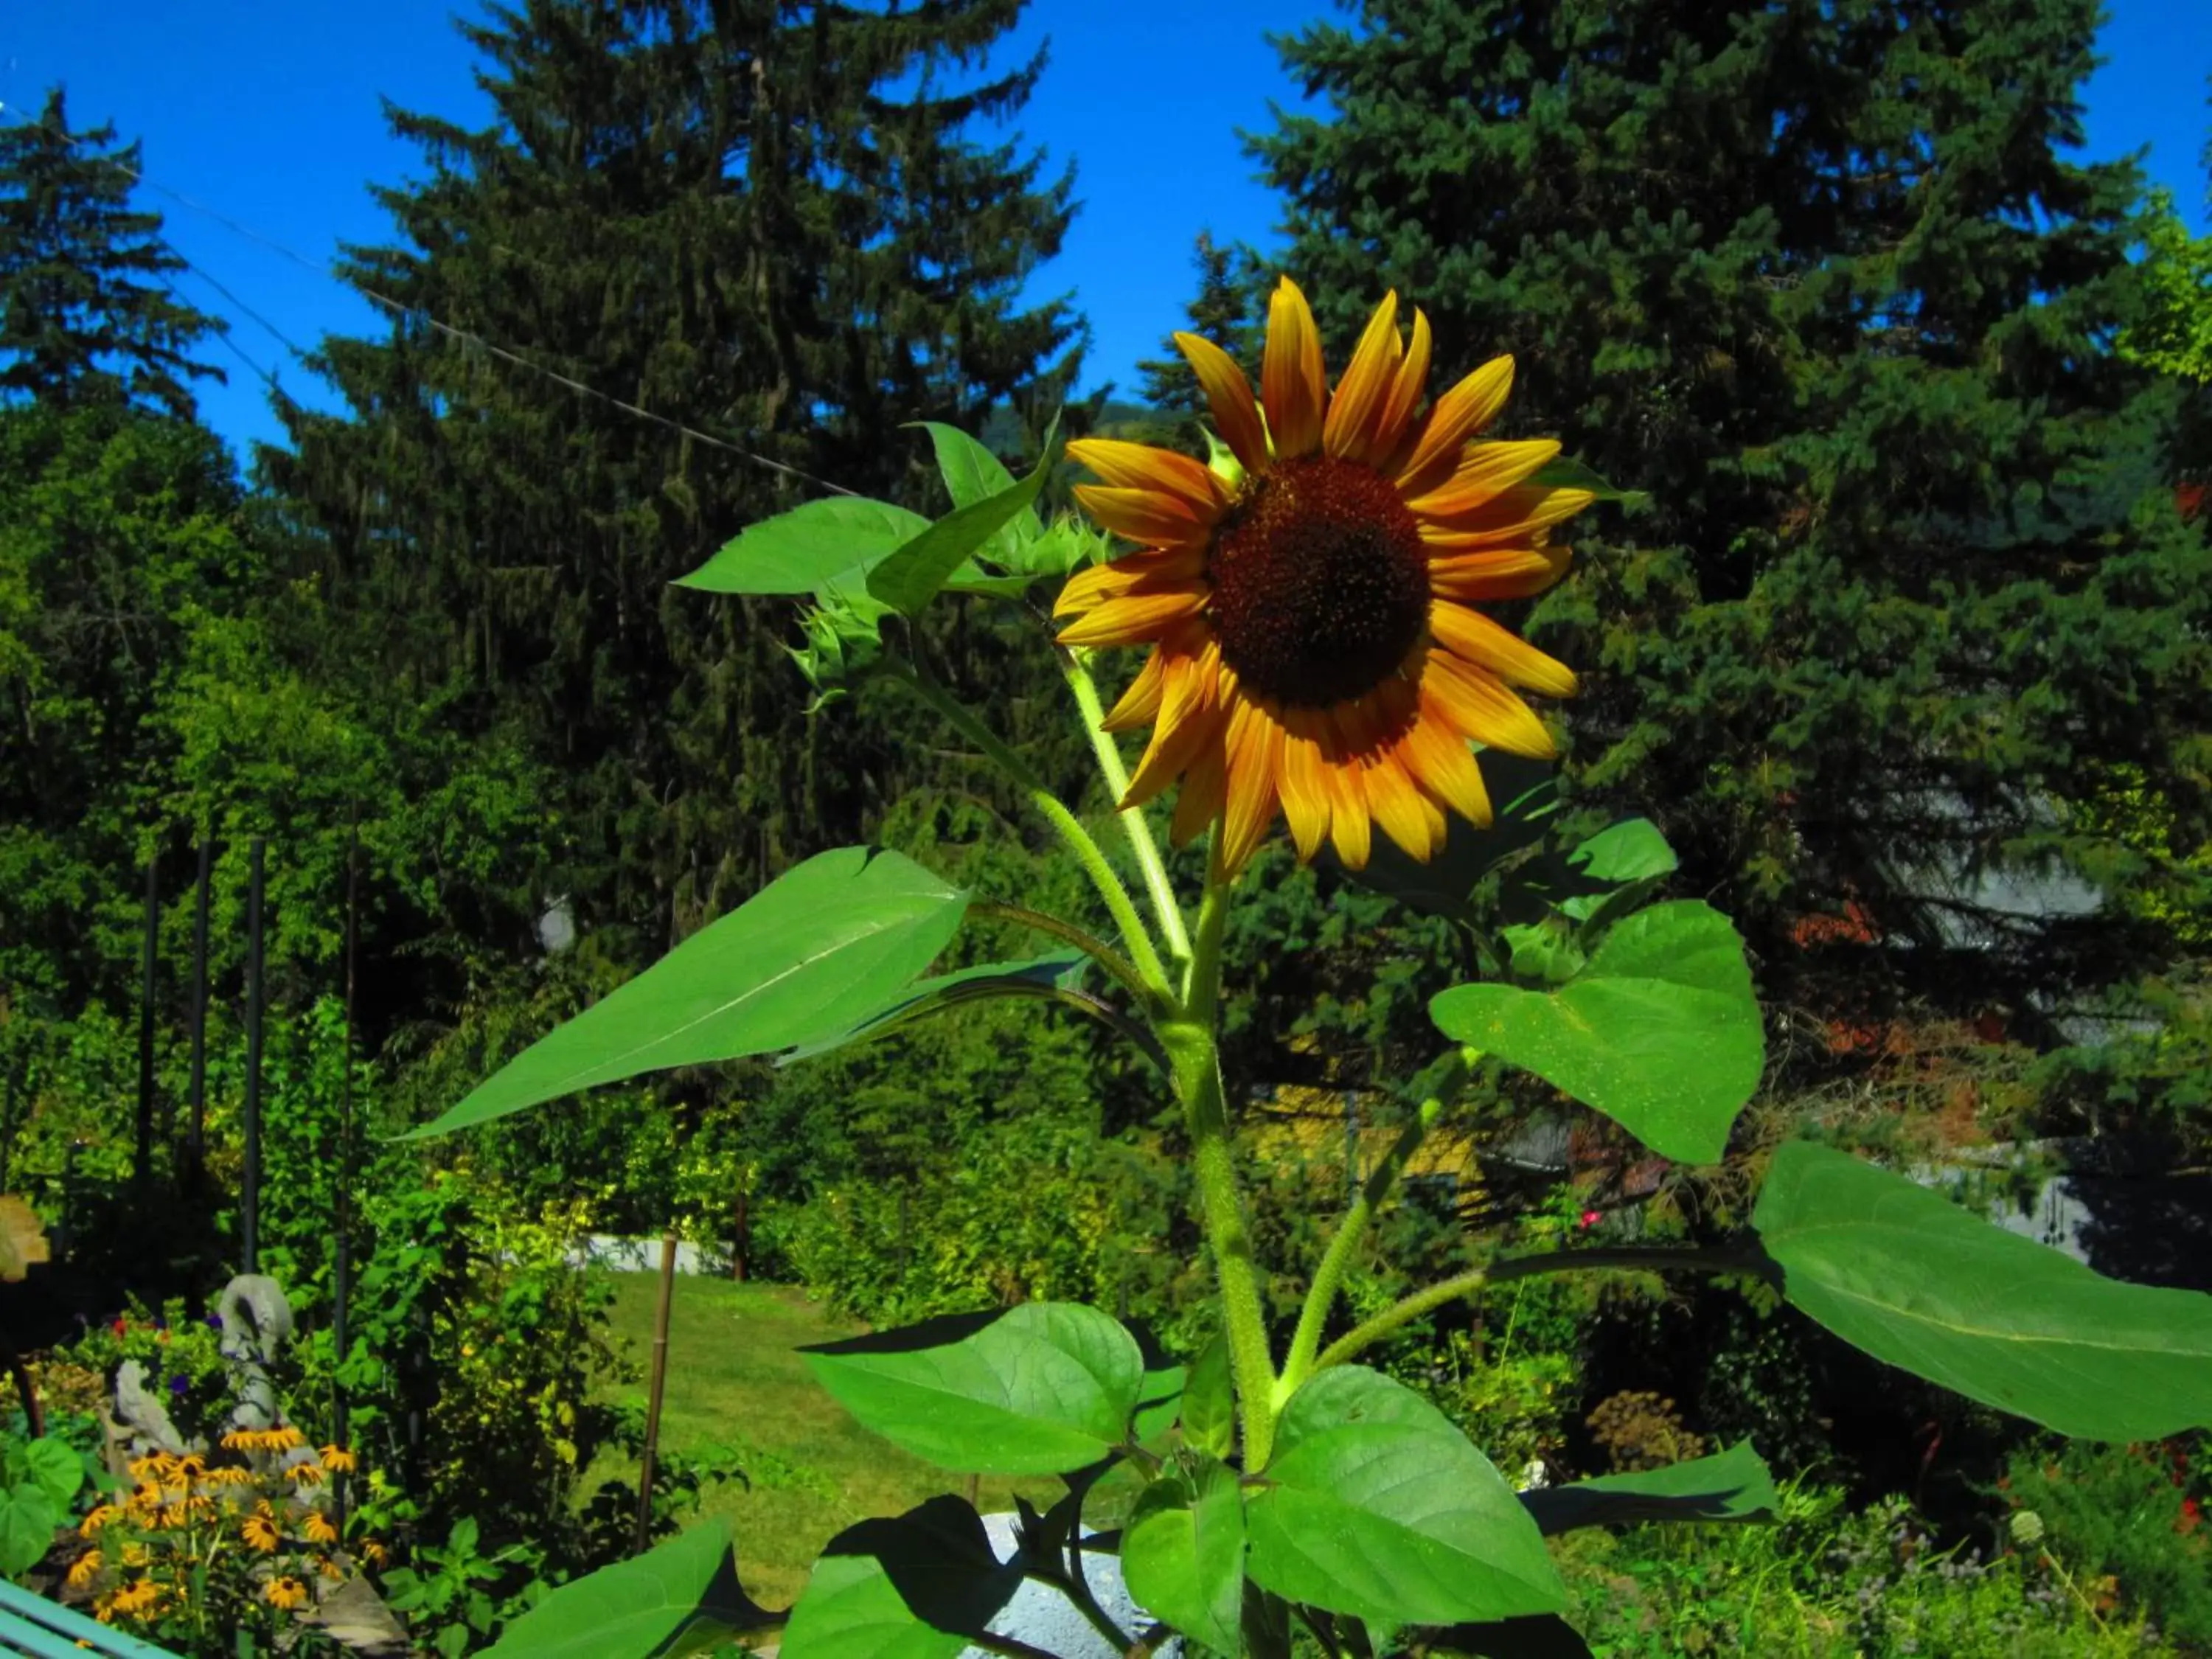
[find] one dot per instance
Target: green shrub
(2132, 1513)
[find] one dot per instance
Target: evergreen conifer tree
(1825, 279)
(87, 312)
(1222, 311)
(770, 223)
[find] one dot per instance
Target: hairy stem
(1190, 1041)
(1086, 850)
(1165, 909)
(1118, 967)
(1651, 1259)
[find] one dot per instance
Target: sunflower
(1310, 607)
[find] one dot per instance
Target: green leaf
(972, 473)
(1159, 1403)
(811, 952)
(58, 1469)
(1913, 1279)
(1544, 953)
(804, 550)
(1042, 1389)
(920, 1586)
(1209, 1402)
(1732, 1486)
(907, 579)
(1659, 1032)
(1039, 976)
(682, 1596)
(1182, 1553)
(1374, 1505)
(1631, 851)
(27, 1519)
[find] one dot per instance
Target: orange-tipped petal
(1476, 639)
(1458, 415)
(1175, 746)
(1229, 395)
(1485, 471)
(1139, 618)
(1479, 704)
(1140, 467)
(1291, 384)
(1440, 762)
(1142, 700)
(1255, 751)
(1348, 431)
(1515, 516)
(1151, 518)
(1150, 571)
(1396, 418)
(1515, 573)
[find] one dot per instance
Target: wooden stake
(659, 1381)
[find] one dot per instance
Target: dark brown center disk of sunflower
(1321, 582)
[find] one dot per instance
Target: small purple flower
(214, 1322)
(181, 1386)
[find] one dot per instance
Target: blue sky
(268, 114)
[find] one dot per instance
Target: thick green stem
(1190, 1041)
(1653, 1259)
(1164, 907)
(1086, 850)
(1321, 1294)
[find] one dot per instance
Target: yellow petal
(1142, 700)
(1458, 415)
(1437, 757)
(1395, 420)
(1305, 787)
(1485, 472)
(1205, 789)
(1189, 717)
(1348, 431)
(1150, 571)
(1478, 640)
(1152, 517)
(1140, 466)
(1291, 384)
(1516, 516)
(1229, 395)
(1516, 572)
(1396, 805)
(1138, 618)
(1478, 705)
(1255, 751)
(1348, 797)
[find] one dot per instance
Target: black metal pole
(196, 1136)
(141, 1169)
(342, 1257)
(250, 1196)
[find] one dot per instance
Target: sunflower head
(1311, 603)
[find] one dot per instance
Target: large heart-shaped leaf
(907, 579)
(1182, 1553)
(1660, 1031)
(57, 1468)
(1042, 1388)
(818, 948)
(920, 1586)
(1913, 1279)
(682, 1596)
(1039, 976)
(1374, 1505)
(1732, 1486)
(27, 1519)
(804, 550)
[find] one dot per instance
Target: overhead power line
(401, 309)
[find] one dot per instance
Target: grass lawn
(736, 1379)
